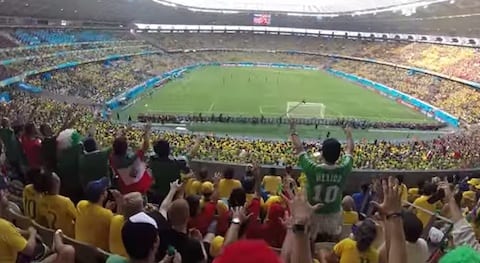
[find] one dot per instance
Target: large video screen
(262, 19)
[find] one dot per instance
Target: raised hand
(300, 209)
(392, 197)
(175, 185)
(241, 214)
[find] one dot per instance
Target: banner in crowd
(262, 19)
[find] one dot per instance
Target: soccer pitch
(256, 91)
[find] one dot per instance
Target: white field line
(211, 107)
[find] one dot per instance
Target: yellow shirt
(412, 194)
(226, 186)
(116, 242)
(93, 224)
(11, 242)
(350, 217)
(30, 202)
(272, 183)
(348, 252)
(404, 196)
(422, 202)
(57, 212)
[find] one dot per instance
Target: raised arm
(350, 143)
(174, 186)
(296, 142)
(391, 208)
(146, 137)
(462, 233)
(194, 150)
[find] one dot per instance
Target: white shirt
(417, 252)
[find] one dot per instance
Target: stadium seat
(14, 207)
(85, 253)
(18, 220)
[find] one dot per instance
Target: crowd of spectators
(171, 213)
(457, 99)
(462, 62)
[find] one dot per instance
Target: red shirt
(204, 219)
(133, 175)
(31, 149)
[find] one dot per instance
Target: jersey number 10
(327, 194)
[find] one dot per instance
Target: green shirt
(116, 259)
(67, 169)
(325, 183)
(93, 166)
(164, 171)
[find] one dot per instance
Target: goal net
(305, 110)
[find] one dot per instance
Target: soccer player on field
(325, 182)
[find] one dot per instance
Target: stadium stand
(62, 158)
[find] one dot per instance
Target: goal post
(308, 110)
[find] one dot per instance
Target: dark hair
(139, 239)
(35, 177)
(272, 171)
(288, 169)
(365, 187)
(193, 204)
(331, 149)
(429, 189)
(237, 198)
(400, 178)
(248, 184)
(228, 173)
(412, 227)
(365, 235)
(420, 185)
(30, 129)
(161, 148)
(120, 146)
(203, 174)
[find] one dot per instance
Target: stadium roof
(304, 6)
(454, 17)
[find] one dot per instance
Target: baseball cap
(474, 181)
(207, 187)
(139, 235)
(216, 246)
(246, 251)
(96, 188)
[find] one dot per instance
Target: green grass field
(257, 91)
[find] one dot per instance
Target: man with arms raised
(325, 182)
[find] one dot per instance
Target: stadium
(244, 102)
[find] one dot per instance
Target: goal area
(308, 110)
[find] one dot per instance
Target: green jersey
(325, 183)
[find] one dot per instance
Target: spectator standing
(93, 163)
(129, 167)
(165, 169)
(227, 184)
(31, 145)
(325, 182)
